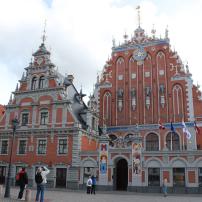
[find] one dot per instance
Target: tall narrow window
(173, 141)
(41, 147)
(107, 108)
(22, 147)
(152, 142)
(4, 147)
(178, 105)
(42, 82)
(25, 119)
(178, 177)
(44, 118)
(62, 147)
(154, 176)
(34, 80)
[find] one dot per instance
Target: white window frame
(20, 139)
(120, 77)
(1, 146)
(62, 138)
(42, 111)
(38, 139)
(161, 72)
(133, 76)
(25, 112)
(147, 74)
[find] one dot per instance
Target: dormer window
(42, 82)
(33, 86)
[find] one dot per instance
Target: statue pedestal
(103, 180)
(136, 180)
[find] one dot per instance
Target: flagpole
(171, 144)
(183, 141)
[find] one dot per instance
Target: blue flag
(171, 127)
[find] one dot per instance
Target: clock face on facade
(139, 54)
(40, 60)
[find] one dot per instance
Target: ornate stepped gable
(43, 86)
(144, 81)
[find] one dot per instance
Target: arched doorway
(121, 175)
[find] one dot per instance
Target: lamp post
(8, 181)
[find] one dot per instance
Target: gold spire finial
(44, 33)
(138, 15)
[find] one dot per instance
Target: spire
(138, 15)
(113, 42)
(10, 100)
(153, 31)
(23, 76)
(187, 68)
(166, 32)
(44, 33)
(16, 89)
(125, 36)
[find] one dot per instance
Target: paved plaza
(79, 196)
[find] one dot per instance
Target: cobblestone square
(81, 196)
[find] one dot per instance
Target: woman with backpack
(22, 181)
(41, 180)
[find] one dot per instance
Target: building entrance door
(61, 174)
(179, 177)
(2, 174)
(121, 175)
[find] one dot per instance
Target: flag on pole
(186, 131)
(197, 129)
(171, 127)
(161, 126)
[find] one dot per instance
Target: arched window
(173, 141)
(178, 106)
(42, 82)
(107, 102)
(33, 86)
(152, 142)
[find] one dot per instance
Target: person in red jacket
(22, 181)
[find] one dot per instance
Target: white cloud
(80, 33)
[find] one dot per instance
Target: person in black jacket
(23, 181)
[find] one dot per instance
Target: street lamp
(8, 181)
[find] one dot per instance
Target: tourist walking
(165, 187)
(22, 181)
(89, 185)
(41, 180)
(93, 184)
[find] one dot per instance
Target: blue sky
(80, 32)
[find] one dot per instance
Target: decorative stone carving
(162, 95)
(133, 98)
(120, 99)
(147, 97)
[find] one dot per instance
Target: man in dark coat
(22, 182)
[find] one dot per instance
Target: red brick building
(55, 125)
(144, 85)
